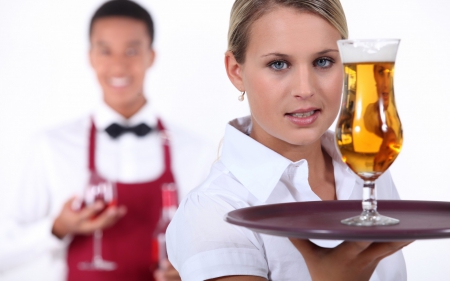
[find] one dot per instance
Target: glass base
(97, 264)
(370, 218)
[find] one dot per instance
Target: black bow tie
(115, 130)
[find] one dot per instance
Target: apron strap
(165, 137)
(91, 157)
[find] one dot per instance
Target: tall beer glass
(368, 132)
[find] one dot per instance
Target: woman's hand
(350, 261)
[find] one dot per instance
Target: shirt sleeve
(25, 231)
(201, 245)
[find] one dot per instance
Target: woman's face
(293, 77)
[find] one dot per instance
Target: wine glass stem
(369, 202)
(97, 245)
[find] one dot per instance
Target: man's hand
(166, 272)
(350, 261)
(83, 221)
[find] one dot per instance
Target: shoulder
(220, 191)
(68, 129)
(68, 135)
(199, 233)
(210, 202)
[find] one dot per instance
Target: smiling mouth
(119, 82)
(303, 114)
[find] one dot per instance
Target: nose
(118, 63)
(303, 84)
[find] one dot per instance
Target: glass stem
(369, 202)
(97, 245)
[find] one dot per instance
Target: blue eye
(323, 63)
(279, 65)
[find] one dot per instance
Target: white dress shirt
(58, 170)
(201, 245)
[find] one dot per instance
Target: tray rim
(328, 235)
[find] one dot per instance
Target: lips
(303, 114)
(303, 117)
(119, 82)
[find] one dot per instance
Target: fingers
(383, 249)
(353, 248)
(105, 219)
(89, 211)
(110, 216)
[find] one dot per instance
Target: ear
(91, 59)
(234, 71)
(151, 58)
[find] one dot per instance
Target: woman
(283, 55)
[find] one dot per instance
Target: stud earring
(241, 97)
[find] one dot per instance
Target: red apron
(128, 242)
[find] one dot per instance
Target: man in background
(123, 141)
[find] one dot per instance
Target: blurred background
(45, 79)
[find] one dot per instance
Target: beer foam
(376, 50)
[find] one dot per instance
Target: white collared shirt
(58, 170)
(201, 245)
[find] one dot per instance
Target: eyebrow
(276, 54)
(285, 56)
(101, 44)
(134, 43)
(131, 43)
(327, 51)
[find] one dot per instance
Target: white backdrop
(45, 79)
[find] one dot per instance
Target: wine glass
(169, 207)
(369, 132)
(99, 189)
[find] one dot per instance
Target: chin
(304, 137)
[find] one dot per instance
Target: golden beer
(369, 133)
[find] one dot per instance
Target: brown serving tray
(322, 220)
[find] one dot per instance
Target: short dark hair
(124, 8)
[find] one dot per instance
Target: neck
(320, 164)
(127, 110)
(311, 152)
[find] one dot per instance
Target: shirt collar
(255, 166)
(344, 177)
(259, 168)
(104, 116)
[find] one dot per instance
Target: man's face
(120, 55)
(383, 79)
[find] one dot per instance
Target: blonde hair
(245, 12)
